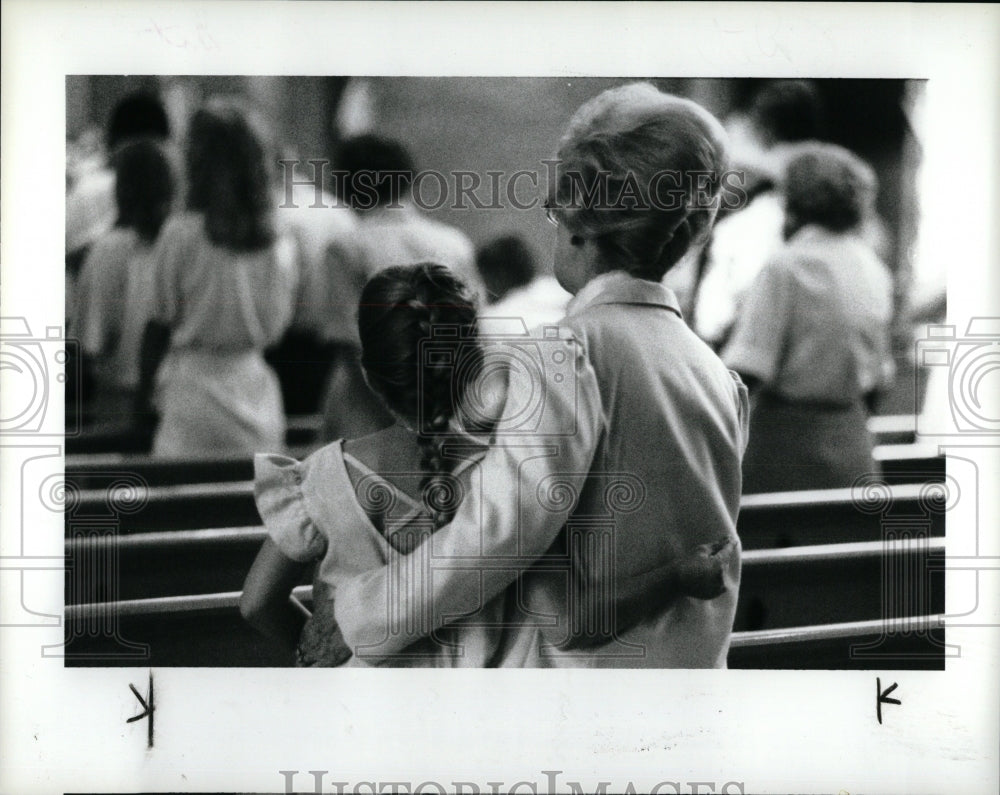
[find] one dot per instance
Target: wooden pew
(766, 520)
(131, 507)
(910, 463)
(780, 588)
(829, 516)
(897, 644)
(208, 631)
(893, 428)
(835, 583)
(91, 472)
(301, 431)
(158, 564)
(899, 457)
(183, 631)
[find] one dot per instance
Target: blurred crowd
(212, 296)
(209, 307)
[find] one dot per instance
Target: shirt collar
(618, 287)
(812, 234)
(402, 212)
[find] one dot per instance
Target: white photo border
(64, 729)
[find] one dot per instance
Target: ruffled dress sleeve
(289, 515)
(280, 502)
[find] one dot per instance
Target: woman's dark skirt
(796, 446)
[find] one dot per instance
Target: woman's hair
(144, 187)
(787, 111)
(228, 176)
(420, 353)
(829, 186)
(640, 173)
(138, 115)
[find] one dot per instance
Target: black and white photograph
(419, 346)
(309, 345)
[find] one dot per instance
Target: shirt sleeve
(100, 297)
(310, 285)
(469, 272)
(167, 257)
(333, 306)
(758, 339)
(283, 291)
(280, 502)
(715, 303)
(501, 529)
(742, 244)
(742, 410)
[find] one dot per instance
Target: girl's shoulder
(303, 503)
(280, 477)
(181, 235)
(118, 241)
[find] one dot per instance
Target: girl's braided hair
(402, 309)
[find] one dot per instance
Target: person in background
(115, 287)
(91, 209)
(377, 175)
(351, 502)
(812, 338)
(224, 290)
(315, 219)
(90, 197)
(514, 285)
(782, 113)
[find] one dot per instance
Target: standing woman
(113, 289)
(224, 291)
(812, 339)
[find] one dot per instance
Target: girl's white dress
(215, 393)
(315, 512)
